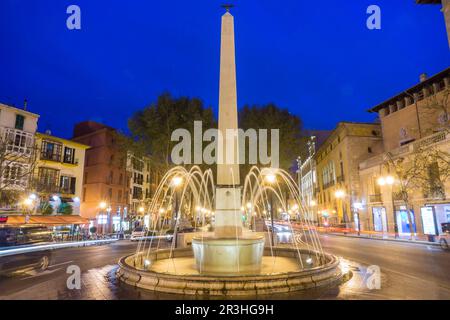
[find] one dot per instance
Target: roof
(14, 109)
(428, 1)
(408, 92)
(62, 140)
(45, 220)
(340, 126)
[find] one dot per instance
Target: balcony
(50, 156)
(375, 198)
(18, 142)
(434, 139)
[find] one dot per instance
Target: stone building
(414, 124)
(337, 160)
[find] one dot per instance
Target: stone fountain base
(281, 273)
(218, 256)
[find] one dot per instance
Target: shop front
(403, 223)
(434, 216)
(379, 219)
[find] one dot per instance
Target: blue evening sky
(316, 58)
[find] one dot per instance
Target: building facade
(337, 160)
(406, 188)
(58, 173)
(105, 183)
(17, 150)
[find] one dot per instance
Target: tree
(45, 208)
(269, 117)
(18, 157)
(152, 127)
(425, 170)
(65, 208)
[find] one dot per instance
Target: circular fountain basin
(224, 256)
(280, 272)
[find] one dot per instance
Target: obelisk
(228, 165)
(228, 222)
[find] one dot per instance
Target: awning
(44, 220)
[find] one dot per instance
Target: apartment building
(58, 173)
(337, 161)
(17, 150)
(106, 183)
(415, 126)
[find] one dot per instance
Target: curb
(385, 239)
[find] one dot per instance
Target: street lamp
(176, 182)
(102, 205)
(340, 194)
(389, 180)
(270, 179)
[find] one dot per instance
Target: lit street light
(389, 180)
(271, 178)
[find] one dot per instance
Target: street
(408, 271)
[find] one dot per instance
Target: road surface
(408, 271)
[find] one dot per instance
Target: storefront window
(403, 222)
(379, 219)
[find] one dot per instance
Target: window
(137, 193)
(51, 150)
(84, 194)
(47, 179)
(119, 196)
(121, 179)
(85, 177)
(111, 177)
(67, 184)
(69, 155)
(20, 120)
(369, 149)
(19, 141)
(15, 175)
(110, 194)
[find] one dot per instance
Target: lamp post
(271, 179)
(102, 207)
(340, 194)
(389, 180)
(176, 182)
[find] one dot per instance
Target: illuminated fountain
(224, 256)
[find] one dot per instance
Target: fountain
(231, 259)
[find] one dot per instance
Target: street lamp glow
(141, 209)
(339, 194)
(176, 181)
(28, 202)
(161, 210)
(32, 196)
(102, 205)
(270, 178)
(312, 203)
(381, 181)
(249, 205)
(390, 180)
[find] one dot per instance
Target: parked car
(137, 233)
(12, 238)
(170, 232)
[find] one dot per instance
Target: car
(138, 233)
(24, 235)
(13, 238)
(170, 232)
